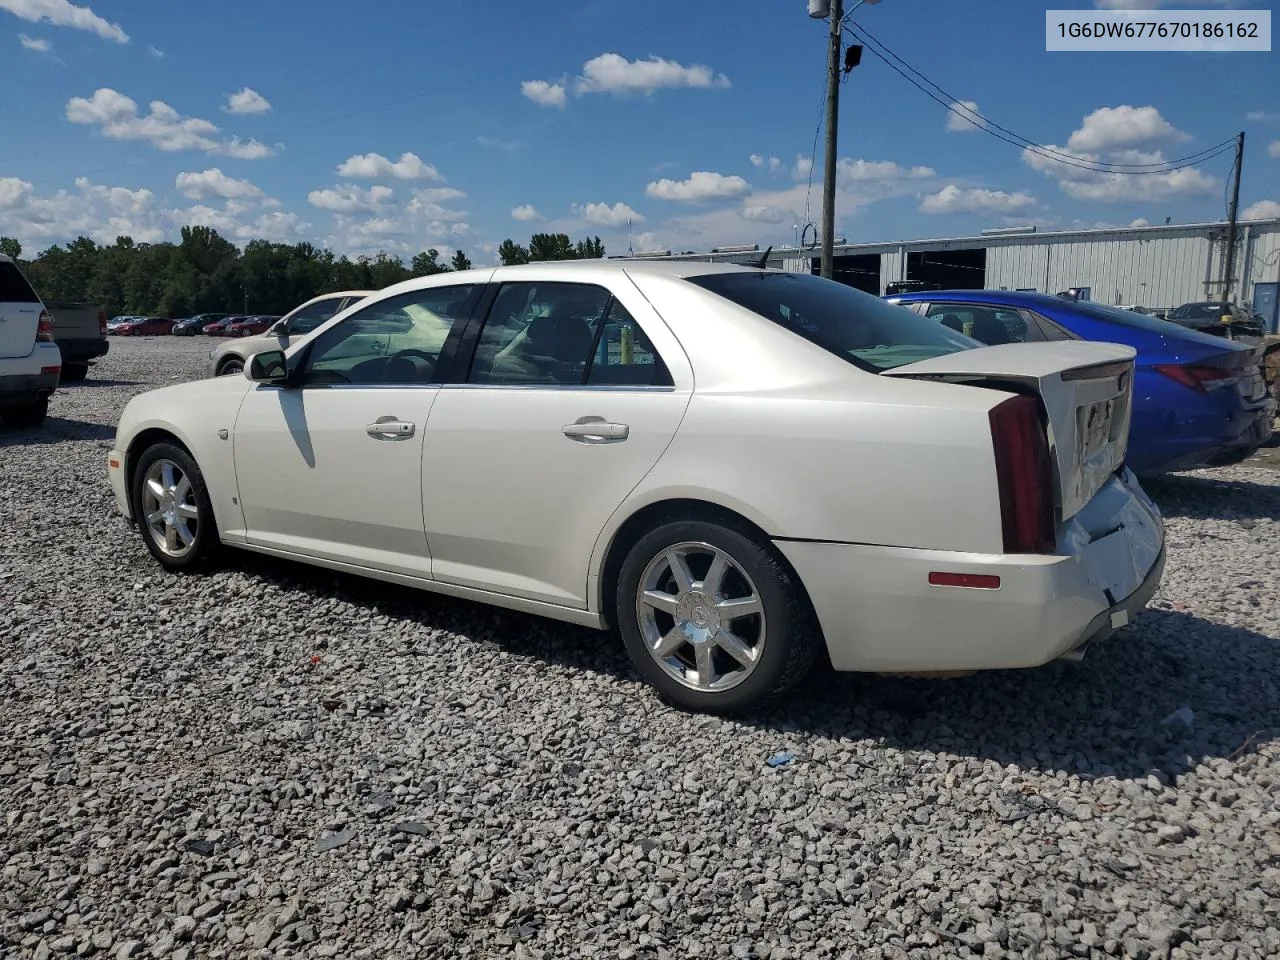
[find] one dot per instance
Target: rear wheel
(172, 508)
(25, 415)
(232, 366)
(74, 372)
(712, 618)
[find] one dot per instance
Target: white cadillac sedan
(737, 469)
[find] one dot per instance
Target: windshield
(1199, 311)
(856, 326)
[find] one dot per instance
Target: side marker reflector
(976, 581)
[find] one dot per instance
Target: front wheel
(713, 619)
(172, 508)
(231, 367)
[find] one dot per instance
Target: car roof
(1014, 297)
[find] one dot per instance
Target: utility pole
(1232, 215)
(833, 121)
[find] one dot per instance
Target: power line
(990, 127)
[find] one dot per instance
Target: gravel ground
(276, 761)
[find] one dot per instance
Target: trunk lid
(76, 321)
(1086, 392)
(19, 312)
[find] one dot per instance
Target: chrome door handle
(595, 430)
(389, 428)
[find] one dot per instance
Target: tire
(177, 525)
(246, 333)
(24, 416)
(776, 646)
(74, 372)
(229, 367)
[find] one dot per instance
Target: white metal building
(1155, 266)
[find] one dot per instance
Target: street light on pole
(819, 9)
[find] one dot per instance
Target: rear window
(856, 326)
(13, 285)
(1199, 311)
(1128, 318)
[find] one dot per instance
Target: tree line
(206, 273)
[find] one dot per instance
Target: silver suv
(30, 362)
(230, 357)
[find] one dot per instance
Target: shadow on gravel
(1187, 495)
(1101, 718)
(84, 384)
(56, 430)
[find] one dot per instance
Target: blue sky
(407, 126)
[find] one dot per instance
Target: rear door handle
(595, 430)
(389, 428)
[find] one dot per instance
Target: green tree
(590, 249)
(10, 247)
(550, 246)
(204, 249)
(460, 261)
(427, 263)
(510, 252)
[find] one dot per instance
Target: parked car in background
(30, 361)
(230, 358)
(1199, 400)
(197, 324)
(115, 324)
(80, 331)
(765, 467)
(147, 327)
(219, 327)
(1219, 319)
(249, 326)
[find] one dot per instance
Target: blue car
(1198, 400)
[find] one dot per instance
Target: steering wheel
(414, 352)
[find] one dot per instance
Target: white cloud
(544, 94)
(1140, 222)
(1261, 116)
(371, 166)
(1262, 210)
(1114, 128)
(163, 127)
(62, 13)
(428, 203)
(862, 170)
(954, 199)
(802, 168)
(32, 43)
(613, 73)
(525, 213)
(773, 163)
(648, 243)
(213, 182)
(245, 149)
(438, 194)
(156, 52)
(91, 210)
(348, 198)
(246, 101)
(276, 226)
(702, 185)
(965, 118)
(13, 192)
(1273, 149)
(1103, 187)
(603, 215)
(763, 213)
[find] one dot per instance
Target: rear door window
(13, 285)
(987, 324)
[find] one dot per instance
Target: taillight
(1025, 476)
(1200, 377)
(102, 322)
(44, 329)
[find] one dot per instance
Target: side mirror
(267, 367)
